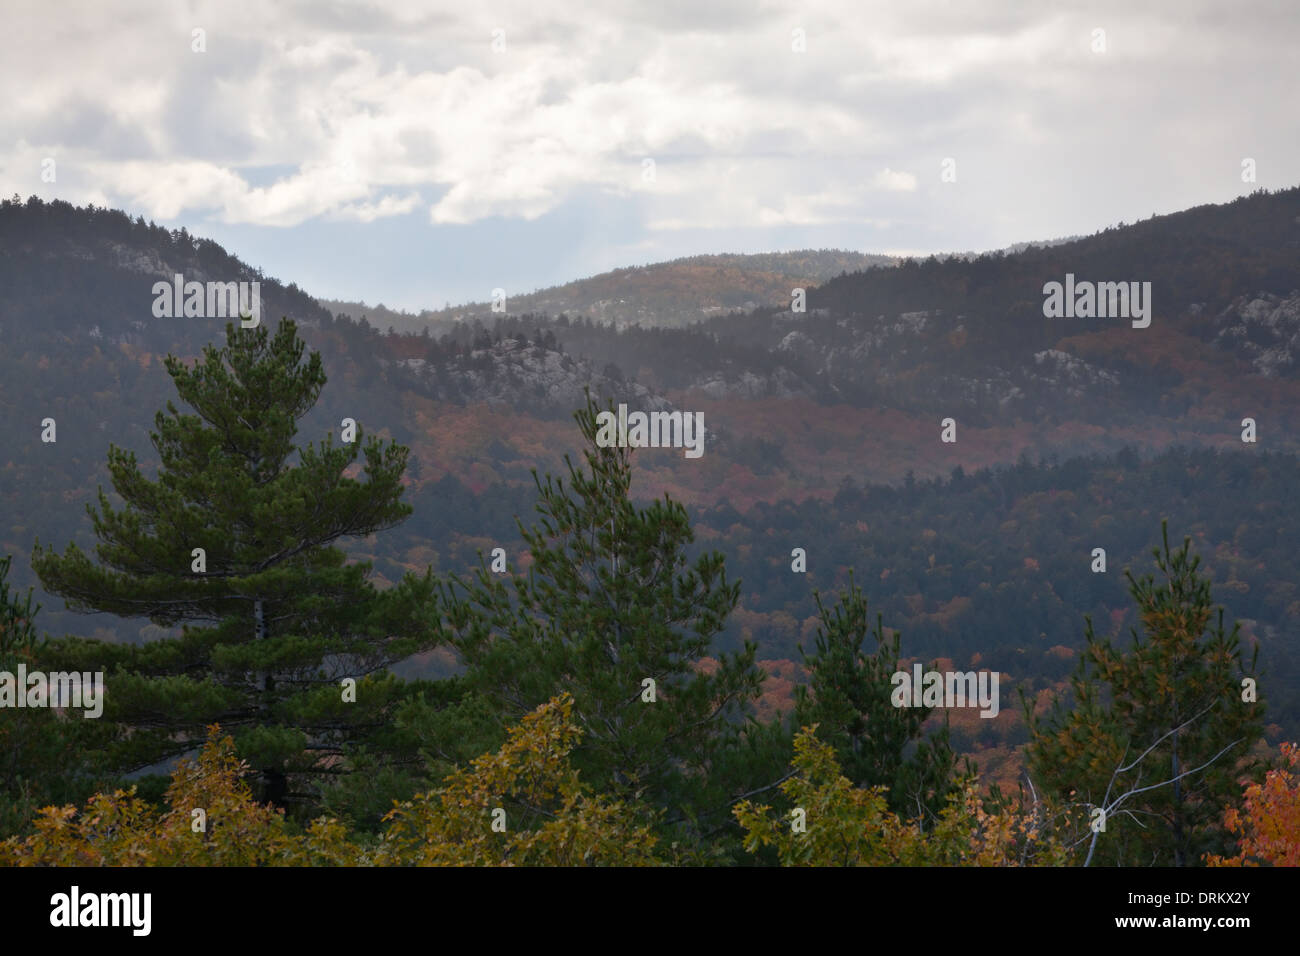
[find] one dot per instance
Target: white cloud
(368, 108)
(896, 182)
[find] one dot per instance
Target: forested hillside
(824, 430)
(661, 295)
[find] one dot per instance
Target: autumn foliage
(551, 819)
(121, 829)
(844, 825)
(1269, 823)
(448, 826)
(532, 775)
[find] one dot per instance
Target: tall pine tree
(232, 541)
(1184, 697)
(848, 697)
(611, 612)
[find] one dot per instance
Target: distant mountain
(383, 318)
(663, 295)
(892, 351)
(803, 410)
(1013, 248)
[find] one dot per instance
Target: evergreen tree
(40, 751)
(848, 697)
(609, 604)
(233, 541)
(1159, 736)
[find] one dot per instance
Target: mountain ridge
(623, 296)
(825, 426)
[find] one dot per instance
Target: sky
(421, 153)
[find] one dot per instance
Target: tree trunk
(275, 785)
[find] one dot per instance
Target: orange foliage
(1269, 825)
(778, 688)
(707, 665)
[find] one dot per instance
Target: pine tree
(611, 612)
(40, 760)
(18, 636)
(233, 542)
(848, 697)
(1159, 736)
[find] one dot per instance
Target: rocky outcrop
(520, 374)
(1069, 373)
(1265, 330)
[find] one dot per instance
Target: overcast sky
(418, 153)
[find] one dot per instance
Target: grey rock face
(519, 374)
(1265, 330)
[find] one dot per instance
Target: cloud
(386, 109)
(896, 182)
